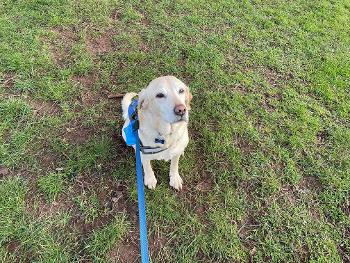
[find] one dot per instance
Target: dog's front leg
(175, 179)
(149, 178)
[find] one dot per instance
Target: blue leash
(132, 138)
(142, 205)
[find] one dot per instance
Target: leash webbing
(141, 204)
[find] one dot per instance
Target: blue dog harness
(131, 132)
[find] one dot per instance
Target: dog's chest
(175, 146)
(174, 142)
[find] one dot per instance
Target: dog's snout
(180, 110)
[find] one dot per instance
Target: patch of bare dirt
(272, 77)
(67, 34)
(205, 186)
(269, 101)
(285, 196)
(244, 145)
(288, 194)
(48, 159)
(156, 245)
(346, 206)
(129, 249)
(101, 44)
(322, 137)
(43, 209)
(144, 47)
(344, 253)
(240, 89)
(4, 171)
(86, 81)
(42, 108)
(90, 98)
(116, 15)
(200, 209)
(8, 80)
(275, 78)
(13, 246)
(252, 253)
(248, 188)
(60, 47)
(311, 183)
(248, 225)
(314, 211)
(126, 252)
(75, 133)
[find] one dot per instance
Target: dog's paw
(176, 182)
(150, 181)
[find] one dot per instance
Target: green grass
(267, 169)
(51, 185)
(89, 206)
(102, 240)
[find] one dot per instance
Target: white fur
(126, 102)
(158, 120)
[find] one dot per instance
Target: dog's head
(167, 97)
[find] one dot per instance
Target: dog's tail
(126, 102)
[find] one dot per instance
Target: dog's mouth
(181, 119)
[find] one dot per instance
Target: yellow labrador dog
(163, 108)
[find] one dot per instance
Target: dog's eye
(181, 91)
(160, 95)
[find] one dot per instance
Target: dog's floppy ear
(188, 98)
(142, 100)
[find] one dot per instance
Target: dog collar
(132, 129)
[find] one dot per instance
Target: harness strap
(151, 150)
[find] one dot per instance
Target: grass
(51, 185)
(102, 240)
(89, 206)
(267, 169)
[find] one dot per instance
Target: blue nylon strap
(142, 206)
(132, 138)
(130, 131)
(133, 107)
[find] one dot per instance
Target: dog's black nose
(180, 110)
